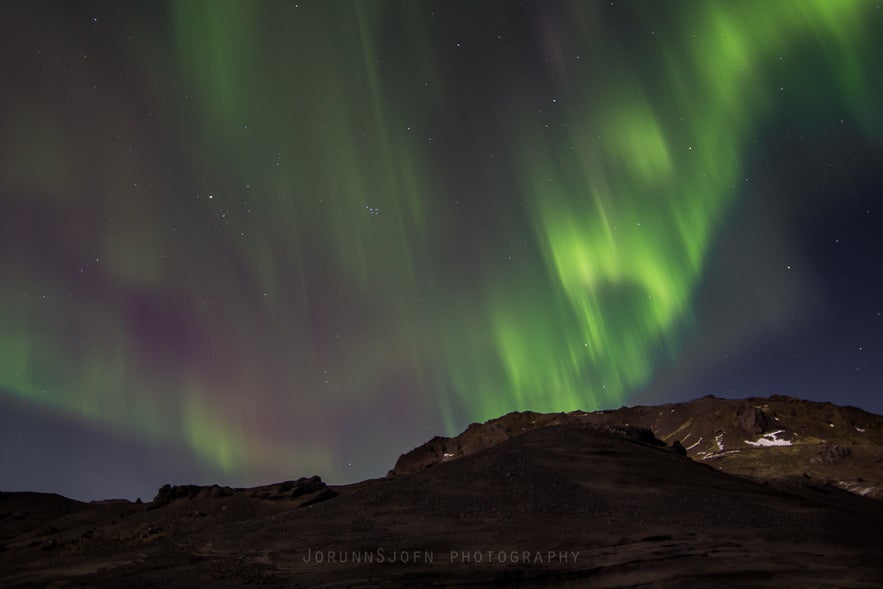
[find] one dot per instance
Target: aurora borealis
(250, 241)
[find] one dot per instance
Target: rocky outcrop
(303, 491)
(170, 493)
(679, 448)
(751, 420)
(830, 454)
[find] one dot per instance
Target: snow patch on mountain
(771, 439)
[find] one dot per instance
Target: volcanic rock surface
(568, 502)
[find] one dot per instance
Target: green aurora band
(318, 257)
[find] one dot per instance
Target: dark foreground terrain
(572, 504)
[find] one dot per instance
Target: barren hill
(767, 438)
(579, 500)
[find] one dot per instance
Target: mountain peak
(776, 437)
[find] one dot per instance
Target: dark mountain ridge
(767, 438)
(529, 499)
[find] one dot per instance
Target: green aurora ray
(313, 237)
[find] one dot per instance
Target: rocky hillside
(569, 505)
(766, 438)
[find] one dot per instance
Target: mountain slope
(768, 438)
(564, 505)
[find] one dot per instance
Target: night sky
(243, 242)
